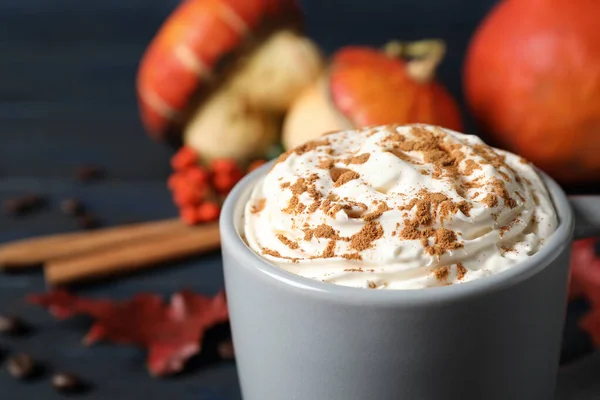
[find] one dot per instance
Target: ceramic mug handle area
(587, 216)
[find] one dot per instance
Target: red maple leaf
(585, 281)
(172, 332)
(585, 271)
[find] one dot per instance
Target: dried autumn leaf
(172, 332)
(585, 281)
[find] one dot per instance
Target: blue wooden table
(67, 98)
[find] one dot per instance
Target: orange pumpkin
(366, 86)
(532, 78)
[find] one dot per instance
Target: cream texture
(398, 207)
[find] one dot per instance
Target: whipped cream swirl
(398, 207)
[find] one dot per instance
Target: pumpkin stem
(423, 56)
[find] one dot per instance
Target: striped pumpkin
(188, 56)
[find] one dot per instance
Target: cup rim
(236, 247)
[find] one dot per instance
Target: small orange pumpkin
(366, 86)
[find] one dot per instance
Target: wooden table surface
(67, 98)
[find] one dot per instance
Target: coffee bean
(87, 221)
(11, 325)
(22, 205)
(71, 207)
(65, 382)
(225, 350)
(13, 207)
(20, 366)
(87, 173)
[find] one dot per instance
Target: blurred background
(68, 88)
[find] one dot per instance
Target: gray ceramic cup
(494, 338)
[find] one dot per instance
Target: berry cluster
(198, 191)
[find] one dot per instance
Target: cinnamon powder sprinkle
(461, 271)
(490, 200)
(475, 184)
(355, 257)
(499, 188)
(272, 253)
(359, 269)
(508, 227)
(507, 249)
(340, 176)
(444, 156)
(408, 206)
(381, 208)
(336, 172)
(424, 213)
(314, 206)
(411, 231)
(294, 206)
(441, 273)
(303, 185)
(449, 207)
(520, 196)
(470, 167)
(308, 234)
(325, 163)
(322, 231)
(346, 177)
(259, 206)
(306, 147)
(360, 159)
(372, 285)
(443, 240)
(289, 243)
(282, 157)
(427, 205)
(329, 251)
(405, 157)
(354, 209)
(325, 231)
(310, 146)
(437, 172)
(490, 156)
(364, 238)
(299, 187)
(330, 208)
(333, 197)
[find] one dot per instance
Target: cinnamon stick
(29, 252)
(133, 256)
